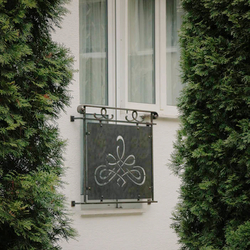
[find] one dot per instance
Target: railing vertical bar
(85, 155)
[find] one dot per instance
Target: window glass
(93, 52)
(141, 51)
(173, 18)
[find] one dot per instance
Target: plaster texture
(132, 227)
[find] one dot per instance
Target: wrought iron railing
(118, 155)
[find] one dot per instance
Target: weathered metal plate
(119, 162)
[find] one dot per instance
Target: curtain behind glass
(174, 85)
(141, 68)
(93, 52)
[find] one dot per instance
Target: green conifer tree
(212, 152)
(34, 76)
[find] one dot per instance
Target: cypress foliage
(212, 152)
(34, 76)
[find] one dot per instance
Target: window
(93, 51)
(129, 53)
(173, 22)
(141, 51)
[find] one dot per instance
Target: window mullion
(111, 53)
(162, 57)
(121, 51)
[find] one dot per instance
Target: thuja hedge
(34, 76)
(212, 152)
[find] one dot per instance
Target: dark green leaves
(212, 151)
(35, 73)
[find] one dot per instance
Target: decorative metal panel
(119, 161)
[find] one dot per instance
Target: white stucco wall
(147, 226)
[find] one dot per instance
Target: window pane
(174, 85)
(141, 52)
(93, 52)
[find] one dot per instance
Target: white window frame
(118, 59)
(112, 82)
(165, 110)
(122, 61)
(160, 105)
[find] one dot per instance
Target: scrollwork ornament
(103, 115)
(134, 117)
(120, 168)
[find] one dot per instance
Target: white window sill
(168, 116)
(111, 212)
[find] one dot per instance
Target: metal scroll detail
(134, 117)
(117, 154)
(103, 116)
(120, 168)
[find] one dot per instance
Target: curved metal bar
(134, 117)
(103, 111)
(103, 118)
(154, 115)
(104, 115)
